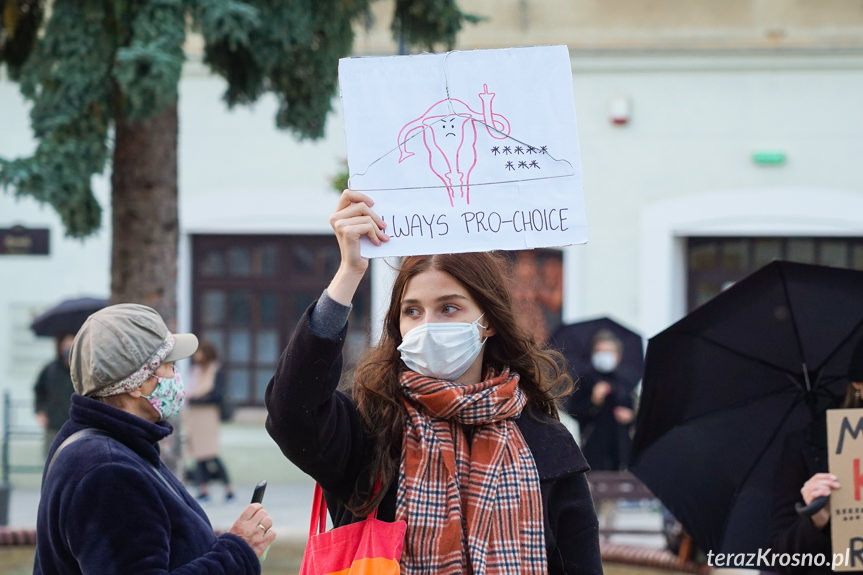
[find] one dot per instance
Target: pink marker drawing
(449, 134)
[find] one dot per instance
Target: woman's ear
(488, 331)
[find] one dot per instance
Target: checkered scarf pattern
(472, 504)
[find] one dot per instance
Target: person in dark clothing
(53, 391)
(802, 474)
(603, 406)
(108, 503)
(453, 413)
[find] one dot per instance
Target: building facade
(715, 137)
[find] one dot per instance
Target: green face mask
(167, 398)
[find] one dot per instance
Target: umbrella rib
(840, 344)
(798, 397)
(757, 459)
(784, 283)
(737, 352)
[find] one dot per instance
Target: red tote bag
(368, 547)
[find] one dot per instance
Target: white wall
(791, 211)
(29, 284)
(696, 119)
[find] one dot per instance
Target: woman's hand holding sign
(352, 220)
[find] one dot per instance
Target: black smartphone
(258, 493)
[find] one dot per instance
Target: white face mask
(442, 350)
(604, 361)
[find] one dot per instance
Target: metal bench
(613, 486)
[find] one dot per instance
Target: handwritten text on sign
(845, 441)
(460, 152)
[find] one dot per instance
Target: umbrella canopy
(724, 386)
(574, 341)
(67, 316)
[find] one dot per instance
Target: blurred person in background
(603, 406)
(205, 392)
(53, 390)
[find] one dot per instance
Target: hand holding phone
(258, 493)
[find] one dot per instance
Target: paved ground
(250, 456)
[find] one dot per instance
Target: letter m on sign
(846, 426)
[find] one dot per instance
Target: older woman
(109, 504)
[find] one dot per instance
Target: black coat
(320, 430)
(53, 392)
(607, 444)
(804, 454)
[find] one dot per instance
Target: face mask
(167, 398)
(442, 350)
(604, 361)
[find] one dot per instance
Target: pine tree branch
(148, 71)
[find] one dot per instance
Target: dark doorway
(714, 263)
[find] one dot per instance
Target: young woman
(453, 413)
(202, 421)
(802, 474)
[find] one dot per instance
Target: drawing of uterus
(449, 135)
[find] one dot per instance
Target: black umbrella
(724, 386)
(67, 316)
(574, 342)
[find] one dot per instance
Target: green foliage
(100, 61)
(288, 47)
(228, 27)
(148, 70)
(339, 181)
(425, 23)
(19, 26)
(67, 78)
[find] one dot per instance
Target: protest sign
(845, 450)
(466, 151)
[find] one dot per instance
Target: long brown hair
(852, 397)
(376, 381)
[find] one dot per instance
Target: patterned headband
(147, 371)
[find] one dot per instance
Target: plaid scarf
(471, 499)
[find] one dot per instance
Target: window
(715, 263)
(537, 290)
(250, 291)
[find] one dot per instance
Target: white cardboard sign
(466, 151)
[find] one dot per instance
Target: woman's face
(434, 296)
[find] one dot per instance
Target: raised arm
(352, 220)
(317, 427)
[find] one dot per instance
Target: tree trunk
(144, 207)
(146, 228)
